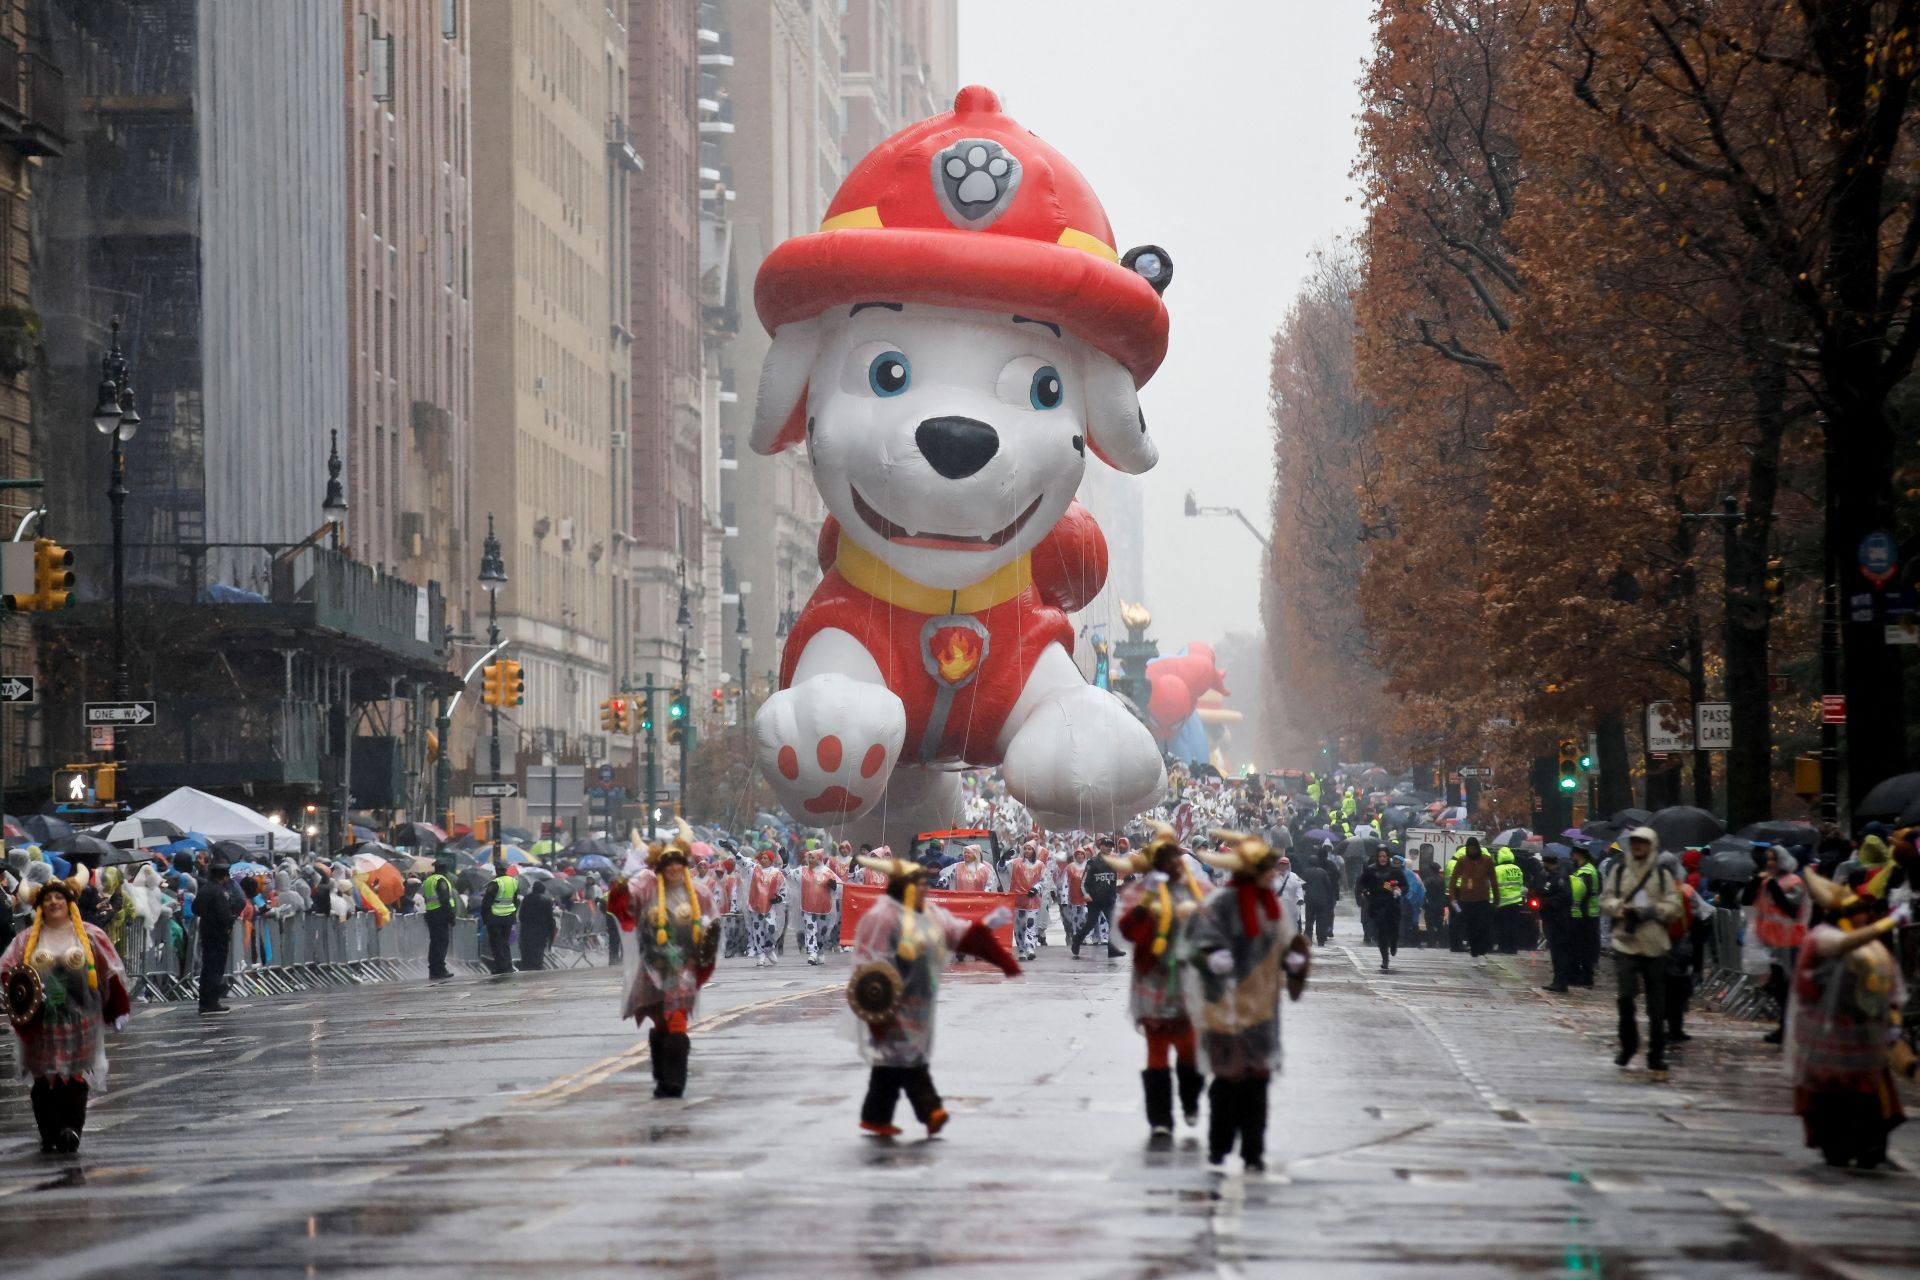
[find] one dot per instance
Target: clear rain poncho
(916, 943)
(666, 979)
(1237, 1014)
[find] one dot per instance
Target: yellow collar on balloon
(867, 572)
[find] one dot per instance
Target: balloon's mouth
(900, 535)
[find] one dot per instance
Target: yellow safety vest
(438, 892)
(1586, 892)
(1511, 882)
(504, 888)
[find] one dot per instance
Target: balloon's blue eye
(889, 374)
(1047, 389)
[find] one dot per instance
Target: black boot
(673, 1082)
(1157, 1083)
(1253, 1123)
(1223, 1119)
(1192, 1085)
(45, 1115)
(657, 1055)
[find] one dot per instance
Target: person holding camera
(1642, 897)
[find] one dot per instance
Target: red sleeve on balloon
(1070, 564)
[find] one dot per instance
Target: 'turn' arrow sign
(132, 715)
(18, 689)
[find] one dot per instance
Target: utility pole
(653, 774)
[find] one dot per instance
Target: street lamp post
(334, 505)
(493, 576)
(1193, 508)
(684, 621)
(744, 639)
(115, 417)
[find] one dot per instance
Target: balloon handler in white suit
(950, 347)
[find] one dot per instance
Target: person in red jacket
(1027, 881)
(819, 891)
(1161, 896)
(766, 894)
(1073, 894)
(672, 918)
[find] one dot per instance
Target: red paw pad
(789, 761)
(828, 752)
(835, 799)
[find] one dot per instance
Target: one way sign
(132, 715)
(19, 689)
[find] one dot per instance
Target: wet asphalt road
(1447, 1120)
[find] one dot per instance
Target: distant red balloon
(1177, 684)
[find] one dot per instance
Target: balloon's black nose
(957, 447)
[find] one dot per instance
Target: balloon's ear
(780, 417)
(1116, 429)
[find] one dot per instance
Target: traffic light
(1325, 750)
(1774, 582)
(610, 709)
(106, 779)
(1569, 765)
(512, 687)
(52, 579)
(646, 715)
(490, 677)
(677, 716)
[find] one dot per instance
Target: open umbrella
(88, 851)
(1781, 832)
(513, 855)
(46, 828)
(371, 857)
(245, 868)
(420, 866)
(531, 874)
(384, 879)
(542, 848)
(1889, 798)
(1319, 833)
(594, 862)
(518, 835)
(418, 835)
(591, 845)
(471, 878)
(192, 842)
(1683, 826)
(12, 828)
(230, 852)
(1511, 836)
(1632, 817)
(146, 833)
(1728, 858)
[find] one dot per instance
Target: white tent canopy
(218, 819)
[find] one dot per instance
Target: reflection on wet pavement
(1445, 1120)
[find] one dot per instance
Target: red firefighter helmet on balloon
(968, 209)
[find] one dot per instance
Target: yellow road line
(586, 1077)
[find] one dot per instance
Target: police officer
(1510, 901)
(1556, 920)
(1101, 885)
(499, 908)
(443, 907)
(1584, 901)
(216, 907)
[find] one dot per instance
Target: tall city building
(666, 89)
(551, 158)
(32, 121)
(814, 87)
(408, 438)
(231, 286)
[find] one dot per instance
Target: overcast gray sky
(1223, 132)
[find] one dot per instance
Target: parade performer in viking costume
(1244, 953)
(1843, 1026)
(64, 987)
(899, 950)
(677, 951)
(1154, 911)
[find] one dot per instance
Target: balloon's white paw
(1083, 760)
(828, 746)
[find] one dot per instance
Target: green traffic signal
(1586, 762)
(1569, 784)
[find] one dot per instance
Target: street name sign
(19, 689)
(1713, 723)
(495, 790)
(131, 715)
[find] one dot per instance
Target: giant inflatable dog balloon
(951, 346)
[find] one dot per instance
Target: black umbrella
(1683, 826)
(1781, 832)
(232, 851)
(475, 877)
(44, 827)
(416, 835)
(593, 844)
(1601, 830)
(1632, 818)
(88, 851)
(1889, 798)
(516, 835)
(1728, 858)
